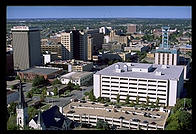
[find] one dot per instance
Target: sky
(18, 12)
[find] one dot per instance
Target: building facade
(160, 82)
(67, 41)
(80, 78)
(26, 47)
(46, 72)
(165, 55)
(90, 47)
(131, 28)
(58, 48)
(79, 45)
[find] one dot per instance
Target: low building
(12, 96)
(49, 57)
(80, 78)
(140, 48)
(128, 118)
(113, 46)
(122, 56)
(73, 65)
(51, 119)
(185, 48)
(47, 72)
(61, 89)
(58, 48)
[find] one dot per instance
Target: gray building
(26, 47)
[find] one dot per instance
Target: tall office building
(131, 28)
(98, 39)
(79, 45)
(165, 55)
(26, 47)
(67, 41)
(90, 47)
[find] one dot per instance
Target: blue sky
(99, 11)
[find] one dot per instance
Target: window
(123, 83)
(152, 81)
(161, 86)
(152, 89)
(132, 83)
(123, 78)
(114, 82)
(113, 78)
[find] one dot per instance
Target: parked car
(145, 121)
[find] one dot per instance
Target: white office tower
(158, 82)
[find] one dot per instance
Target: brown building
(47, 72)
(54, 48)
(131, 28)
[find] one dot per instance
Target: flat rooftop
(167, 72)
(92, 109)
(41, 70)
(76, 75)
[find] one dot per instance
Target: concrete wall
(173, 84)
(96, 85)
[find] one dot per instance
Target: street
(62, 101)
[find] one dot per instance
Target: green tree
(102, 125)
(147, 100)
(185, 119)
(55, 91)
(42, 97)
(157, 102)
(44, 91)
(11, 123)
(56, 81)
(29, 94)
(91, 96)
(12, 108)
(137, 100)
(32, 112)
(70, 86)
(86, 93)
(76, 87)
(17, 77)
(152, 105)
(118, 98)
(174, 125)
(127, 100)
(38, 80)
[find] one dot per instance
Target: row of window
(140, 80)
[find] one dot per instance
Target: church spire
(21, 102)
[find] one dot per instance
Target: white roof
(168, 72)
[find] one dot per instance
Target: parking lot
(146, 116)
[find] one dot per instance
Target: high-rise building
(131, 28)
(165, 55)
(98, 39)
(90, 47)
(79, 45)
(67, 41)
(26, 47)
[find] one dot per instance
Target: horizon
(25, 12)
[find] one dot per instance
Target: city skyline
(22, 12)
